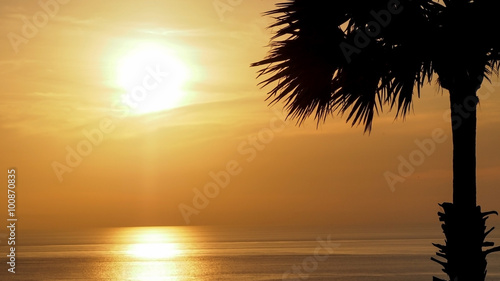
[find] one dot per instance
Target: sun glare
(153, 250)
(152, 77)
(153, 245)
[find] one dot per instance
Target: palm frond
(317, 66)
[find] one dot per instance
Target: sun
(152, 77)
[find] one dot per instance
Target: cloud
(72, 20)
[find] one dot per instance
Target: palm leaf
(311, 73)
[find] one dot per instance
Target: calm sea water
(227, 253)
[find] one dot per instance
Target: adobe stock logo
(372, 29)
(426, 147)
(92, 138)
(223, 6)
(250, 149)
(39, 20)
(310, 264)
(407, 165)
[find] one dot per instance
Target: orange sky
(59, 81)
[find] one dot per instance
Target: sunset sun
(152, 77)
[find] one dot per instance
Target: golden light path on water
(156, 253)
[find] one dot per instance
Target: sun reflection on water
(153, 250)
(154, 253)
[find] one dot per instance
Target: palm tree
(355, 56)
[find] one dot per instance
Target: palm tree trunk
(463, 101)
(463, 222)
(464, 241)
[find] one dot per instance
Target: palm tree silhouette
(355, 56)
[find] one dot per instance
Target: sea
(182, 253)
